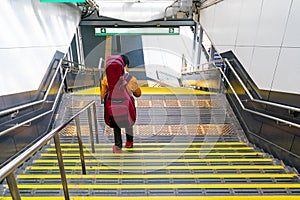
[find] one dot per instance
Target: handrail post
(91, 129)
(77, 121)
(61, 166)
(13, 188)
(96, 123)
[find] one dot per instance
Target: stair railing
(258, 100)
(277, 119)
(8, 170)
(17, 108)
(256, 112)
(33, 103)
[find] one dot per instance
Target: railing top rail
(279, 105)
(10, 110)
(257, 100)
(36, 117)
(85, 67)
(256, 112)
(16, 108)
(16, 162)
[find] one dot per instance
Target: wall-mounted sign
(102, 31)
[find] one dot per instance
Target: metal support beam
(96, 123)
(61, 166)
(199, 39)
(77, 121)
(118, 23)
(13, 187)
(91, 129)
(195, 36)
(212, 55)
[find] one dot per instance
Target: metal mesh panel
(165, 130)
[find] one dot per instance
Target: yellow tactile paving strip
(178, 103)
(174, 91)
(150, 90)
(162, 103)
(72, 131)
(161, 130)
(202, 83)
(166, 130)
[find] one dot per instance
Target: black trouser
(118, 136)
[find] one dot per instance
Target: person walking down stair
(133, 89)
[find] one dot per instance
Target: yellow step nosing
(234, 167)
(164, 144)
(159, 186)
(149, 176)
(273, 197)
(159, 154)
(158, 149)
(157, 160)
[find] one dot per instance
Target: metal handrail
(8, 170)
(243, 85)
(256, 112)
(10, 110)
(86, 68)
(39, 116)
(247, 91)
(257, 100)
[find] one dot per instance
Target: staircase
(187, 146)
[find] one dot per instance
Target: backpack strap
(127, 77)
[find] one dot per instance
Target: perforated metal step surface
(169, 159)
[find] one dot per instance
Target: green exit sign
(102, 31)
(64, 1)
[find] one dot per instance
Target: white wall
(164, 52)
(30, 34)
(263, 34)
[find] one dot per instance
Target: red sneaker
(117, 149)
(129, 144)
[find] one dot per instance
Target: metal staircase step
(180, 155)
(144, 197)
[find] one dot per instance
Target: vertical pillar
(212, 53)
(195, 47)
(118, 43)
(195, 36)
(200, 39)
(79, 47)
